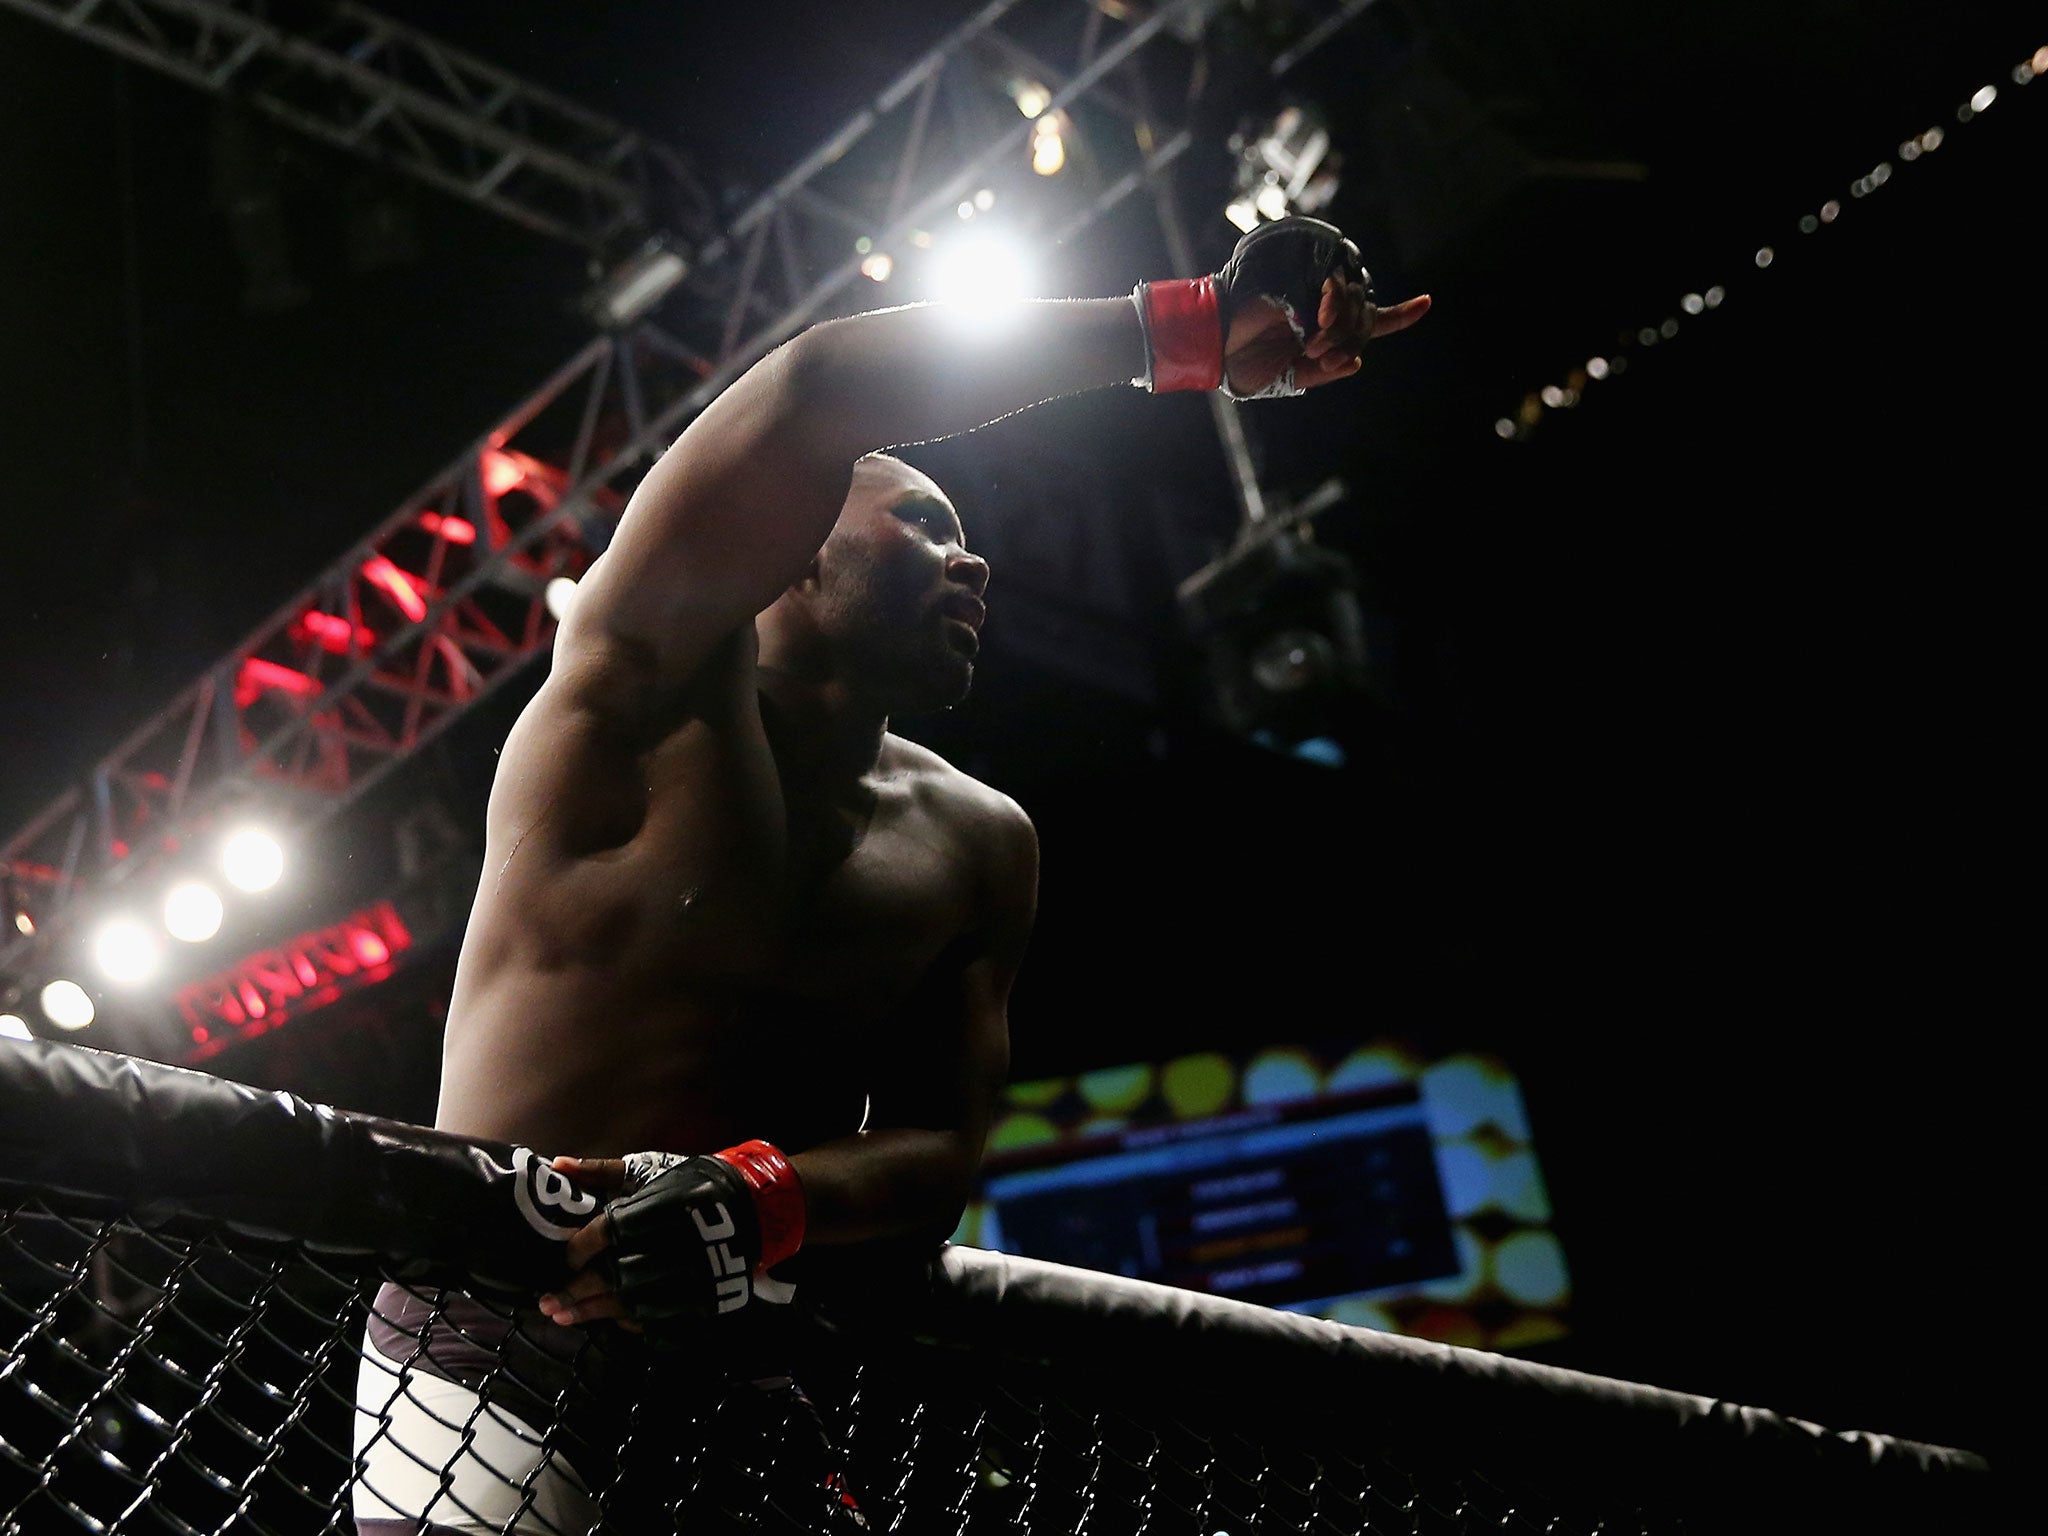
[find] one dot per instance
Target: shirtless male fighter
(722, 906)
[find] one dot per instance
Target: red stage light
(258, 677)
(380, 572)
(332, 633)
(456, 530)
(502, 471)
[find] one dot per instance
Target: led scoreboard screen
(1368, 1185)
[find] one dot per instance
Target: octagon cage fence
(188, 1267)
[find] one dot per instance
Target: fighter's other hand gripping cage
(187, 1266)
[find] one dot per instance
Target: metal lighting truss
(383, 90)
(444, 600)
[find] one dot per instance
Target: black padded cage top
(192, 1273)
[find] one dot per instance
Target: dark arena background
(1556, 783)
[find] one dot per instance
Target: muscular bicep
(721, 525)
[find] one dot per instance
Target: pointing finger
(1398, 317)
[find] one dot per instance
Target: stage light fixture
(637, 284)
(1283, 167)
(66, 1005)
(192, 911)
(1279, 620)
(252, 860)
(1048, 153)
(560, 596)
(126, 951)
(15, 907)
(14, 1027)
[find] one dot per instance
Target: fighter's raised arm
(734, 511)
(740, 952)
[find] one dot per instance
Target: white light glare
(983, 271)
(1692, 304)
(560, 593)
(192, 912)
(1243, 215)
(14, 1027)
(1986, 94)
(252, 860)
(985, 199)
(1596, 367)
(1048, 152)
(66, 1005)
(1032, 99)
(1271, 201)
(126, 951)
(877, 266)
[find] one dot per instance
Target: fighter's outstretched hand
(1262, 344)
(1291, 310)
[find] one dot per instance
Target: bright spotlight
(192, 912)
(1048, 154)
(1271, 201)
(14, 1027)
(66, 1005)
(558, 594)
(126, 951)
(1032, 98)
(984, 270)
(1244, 214)
(877, 265)
(252, 860)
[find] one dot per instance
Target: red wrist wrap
(778, 1197)
(1185, 329)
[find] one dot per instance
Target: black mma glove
(689, 1232)
(1187, 320)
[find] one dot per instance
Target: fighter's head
(893, 601)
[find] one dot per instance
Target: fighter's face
(898, 591)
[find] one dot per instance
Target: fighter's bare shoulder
(998, 829)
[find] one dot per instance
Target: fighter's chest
(864, 926)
